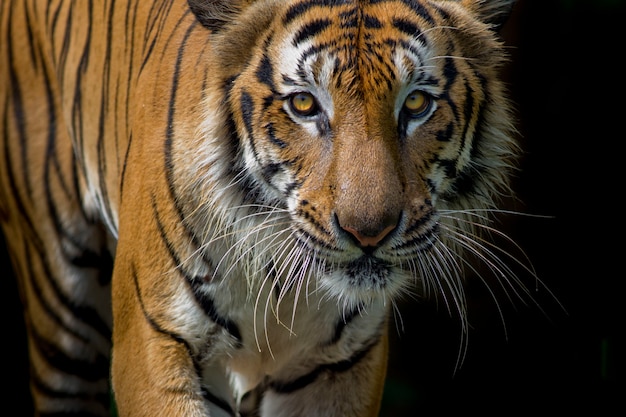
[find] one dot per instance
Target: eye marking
(303, 104)
(417, 104)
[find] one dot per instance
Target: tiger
(213, 207)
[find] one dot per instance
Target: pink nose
(366, 240)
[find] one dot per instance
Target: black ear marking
(496, 12)
(503, 15)
(213, 14)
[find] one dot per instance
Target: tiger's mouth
(362, 280)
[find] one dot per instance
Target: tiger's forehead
(352, 45)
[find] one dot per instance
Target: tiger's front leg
(153, 370)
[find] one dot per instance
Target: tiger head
(369, 138)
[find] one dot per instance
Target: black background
(567, 80)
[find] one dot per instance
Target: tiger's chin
(364, 280)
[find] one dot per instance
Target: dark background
(568, 82)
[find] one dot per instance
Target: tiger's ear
(213, 14)
(493, 12)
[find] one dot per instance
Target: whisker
(244, 242)
(527, 266)
(495, 264)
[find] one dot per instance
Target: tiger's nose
(365, 240)
(371, 237)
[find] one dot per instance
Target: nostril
(366, 240)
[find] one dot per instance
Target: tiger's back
(225, 198)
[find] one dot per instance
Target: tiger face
(370, 127)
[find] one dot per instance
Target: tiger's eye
(303, 104)
(417, 103)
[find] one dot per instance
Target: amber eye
(303, 104)
(417, 103)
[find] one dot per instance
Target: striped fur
(224, 199)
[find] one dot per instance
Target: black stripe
(431, 186)
(19, 117)
(444, 135)
(249, 191)
(342, 323)
(208, 306)
(153, 28)
(75, 399)
(124, 165)
(147, 55)
(169, 133)
(85, 314)
(407, 27)
(25, 220)
(55, 16)
(423, 241)
(268, 171)
(265, 72)
(311, 29)
(419, 9)
(449, 167)
(310, 219)
(52, 160)
(292, 186)
(307, 239)
(450, 72)
(175, 258)
(61, 61)
(157, 327)
(51, 151)
(31, 40)
(247, 111)
(350, 19)
(372, 22)
(406, 45)
(426, 217)
(195, 283)
(465, 181)
(77, 110)
(287, 387)
(468, 109)
(302, 7)
(89, 370)
(151, 320)
(101, 141)
(215, 400)
(129, 83)
(271, 134)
